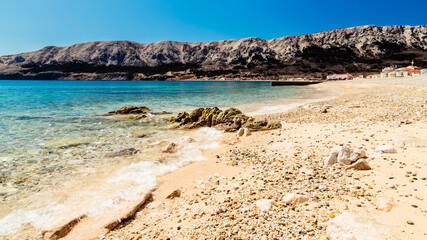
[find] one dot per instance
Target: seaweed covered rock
(259, 125)
(181, 118)
(131, 110)
(229, 120)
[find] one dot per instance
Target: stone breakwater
(281, 188)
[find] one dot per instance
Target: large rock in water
(229, 120)
(131, 110)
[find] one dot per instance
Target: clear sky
(28, 25)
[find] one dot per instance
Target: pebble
(276, 172)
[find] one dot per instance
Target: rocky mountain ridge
(355, 49)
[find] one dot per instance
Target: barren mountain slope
(365, 48)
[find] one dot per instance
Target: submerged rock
(172, 148)
(140, 133)
(131, 110)
(123, 152)
(187, 139)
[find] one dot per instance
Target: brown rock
(247, 132)
(171, 148)
(240, 132)
(174, 194)
(229, 120)
(324, 108)
(62, 231)
(124, 152)
(196, 113)
(131, 110)
(128, 215)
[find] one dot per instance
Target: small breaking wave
(127, 184)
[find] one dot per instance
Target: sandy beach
(238, 193)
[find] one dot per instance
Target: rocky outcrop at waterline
(131, 110)
(229, 120)
(356, 49)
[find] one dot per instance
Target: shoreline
(68, 193)
(216, 166)
(92, 220)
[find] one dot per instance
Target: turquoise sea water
(55, 133)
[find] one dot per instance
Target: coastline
(48, 209)
(164, 218)
(219, 167)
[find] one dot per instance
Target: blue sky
(28, 25)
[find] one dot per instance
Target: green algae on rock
(131, 110)
(229, 120)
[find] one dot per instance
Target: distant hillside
(355, 49)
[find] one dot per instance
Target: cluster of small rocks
(277, 199)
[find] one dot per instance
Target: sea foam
(126, 184)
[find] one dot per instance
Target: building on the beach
(393, 71)
(392, 74)
(339, 76)
(373, 76)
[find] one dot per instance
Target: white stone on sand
(405, 140)
(360, 164)
(265, 204)
(385, 204)
(292, 198)
(350, 226)
(344, 155)
(386, 149)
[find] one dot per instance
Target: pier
(294, 82)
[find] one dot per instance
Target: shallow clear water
(56, 135)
